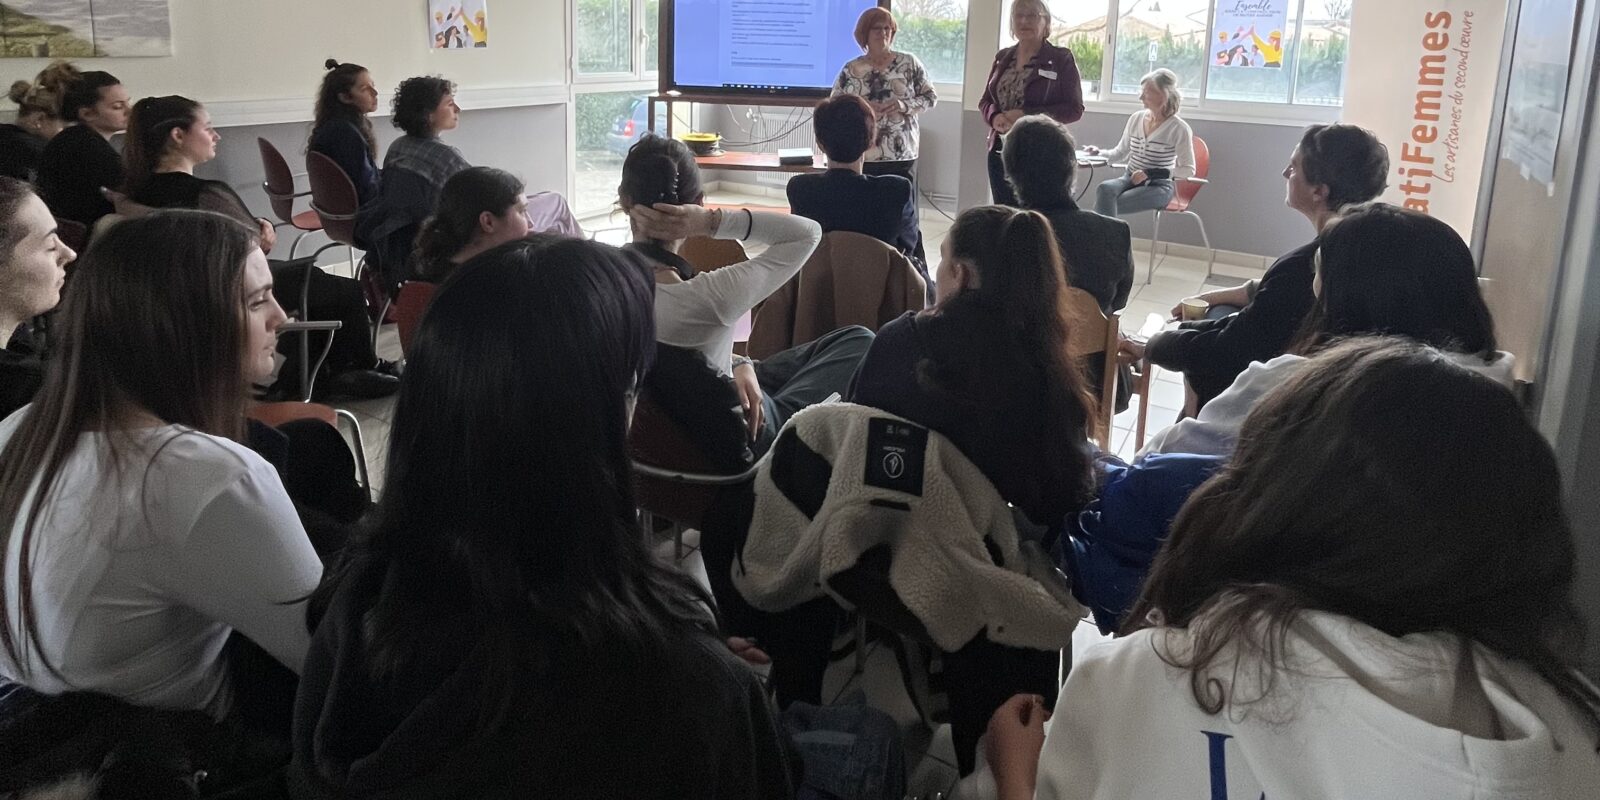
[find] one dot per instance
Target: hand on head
(670, 223)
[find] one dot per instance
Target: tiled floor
(930, 759)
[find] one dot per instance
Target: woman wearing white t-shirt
(138, 534)
(1158, 148)
(1371, 600)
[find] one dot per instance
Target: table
(757, 162)
(1086, 161)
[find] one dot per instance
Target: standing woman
(342, 131)
(896, 86)
(80, 163)
(1032, 76)
(1159, 148)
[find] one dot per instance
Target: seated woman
(167, 138)
(504, 630)
(661, 192)
(843, 199)
(987, 368)
(1097, 251)
(1373, 599)
(38, 121)
(480, 209)
(415, 169)
(1332, 167)
(341, 130)
(1158, 147)
(79, 164)
(141, 534)
(32, 269)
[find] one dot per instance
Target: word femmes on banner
(1418, 163)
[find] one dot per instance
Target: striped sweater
(1168, 152)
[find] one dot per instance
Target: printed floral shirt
(904, 82)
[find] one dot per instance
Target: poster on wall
(84, 28)
(1537, 95)
(1250, 33)
(1422, 77)
(458, 24)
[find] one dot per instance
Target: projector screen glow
(793, 47)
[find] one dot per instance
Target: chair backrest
(408, 308)
(279, 180)
(1186, 190)
(707, 254)
(73, 234)
(851, 279)
(333, 197)
(1090, 331)
(657, 440)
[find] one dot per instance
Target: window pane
(1324, 42)
(1257, 84)
(1160, 33)
(607, 124)
(1079, 26)
(604, 33)
(935, 31)
(652, 25)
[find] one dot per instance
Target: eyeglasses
(1032, 15)
(883, 28)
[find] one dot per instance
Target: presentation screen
(763, 47)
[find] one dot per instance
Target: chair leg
(677, 542)
(1145, 368)
(377, 325)
(1211, 258)
(295, 248)
(360, 447)
(1155, 240)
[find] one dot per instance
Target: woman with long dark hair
(167, 138)
(138, 532)
(1380, 269)
(661, 191)
(1372, 599)
(503, 629)
(480, 209)
(79, 164)
(341, 130)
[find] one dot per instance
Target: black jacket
(342, 141)
(1099, 255)
(19, 152)
(880, 206)
(73, 168)
(1211, 353)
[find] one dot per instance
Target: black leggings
(331, 297)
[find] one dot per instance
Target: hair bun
(332, 63)
(19, 91)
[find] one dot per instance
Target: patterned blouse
(904, 80)
(1012, 84)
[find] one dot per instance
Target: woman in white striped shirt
(1158, 147)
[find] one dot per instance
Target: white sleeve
(1215, 430)
(1121, 150)
(1185, 152)
(248, 564)
(735, 289)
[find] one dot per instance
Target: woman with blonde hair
(1032, 76)
(1158, 147)
(38, 121)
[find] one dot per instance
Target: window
(605, 36)
(1178, 35)
(608, 123)
(935, 31)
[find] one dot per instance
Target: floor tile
(930, 778)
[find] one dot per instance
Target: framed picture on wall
(458, 24)
(84, 28)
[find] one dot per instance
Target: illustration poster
(458, 24)
(1250, 34)
(84, 28)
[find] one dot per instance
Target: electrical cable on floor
(935, 205)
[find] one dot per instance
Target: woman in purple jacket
(1032, 76)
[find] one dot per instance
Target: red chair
(281, 194)
(412, 301)
(1181, 198)
(275, 414)
(334, 199)
(672, 479)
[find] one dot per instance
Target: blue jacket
(1116, 536)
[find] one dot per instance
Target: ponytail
(149, 126)
(660, 170)
(340, 80)
(454, 224)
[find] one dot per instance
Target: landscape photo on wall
(84, 28)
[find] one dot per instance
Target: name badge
(1047, 73)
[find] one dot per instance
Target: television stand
(734, 160)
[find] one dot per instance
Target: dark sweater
(1001, 438)
(692, 723)
(182, 190)
(21, 372)
(19, 152)
(1098, 251)
(880, 206)
(342, 141)
(1211, 353)
(73, 168)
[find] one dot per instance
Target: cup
(1194, 308)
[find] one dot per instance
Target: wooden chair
(279, 185)
(707, 254)
(1089, 332)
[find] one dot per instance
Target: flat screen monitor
(791, 48)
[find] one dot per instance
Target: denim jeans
(1120, 196)
(805, 375)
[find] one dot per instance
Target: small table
(1089, 162)
(758, 162)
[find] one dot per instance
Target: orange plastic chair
(1181, 198)
(279, 185)
(275, 414)
(409, 306)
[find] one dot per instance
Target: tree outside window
(935, 31)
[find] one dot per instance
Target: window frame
(637, 73)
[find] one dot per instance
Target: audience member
(1041, 161)
(38, 121)
(342, 131)
(661, 191)
(79, 164)
(843, 198)
(503, 629)
(1380, 270)
(480, 208)
(1032, 76)
(896, 89)
(415, 170)
(141, 533)
(1332, 167)
(167, 138)
(1159, 149)
(1374, 598)
(32, 270)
